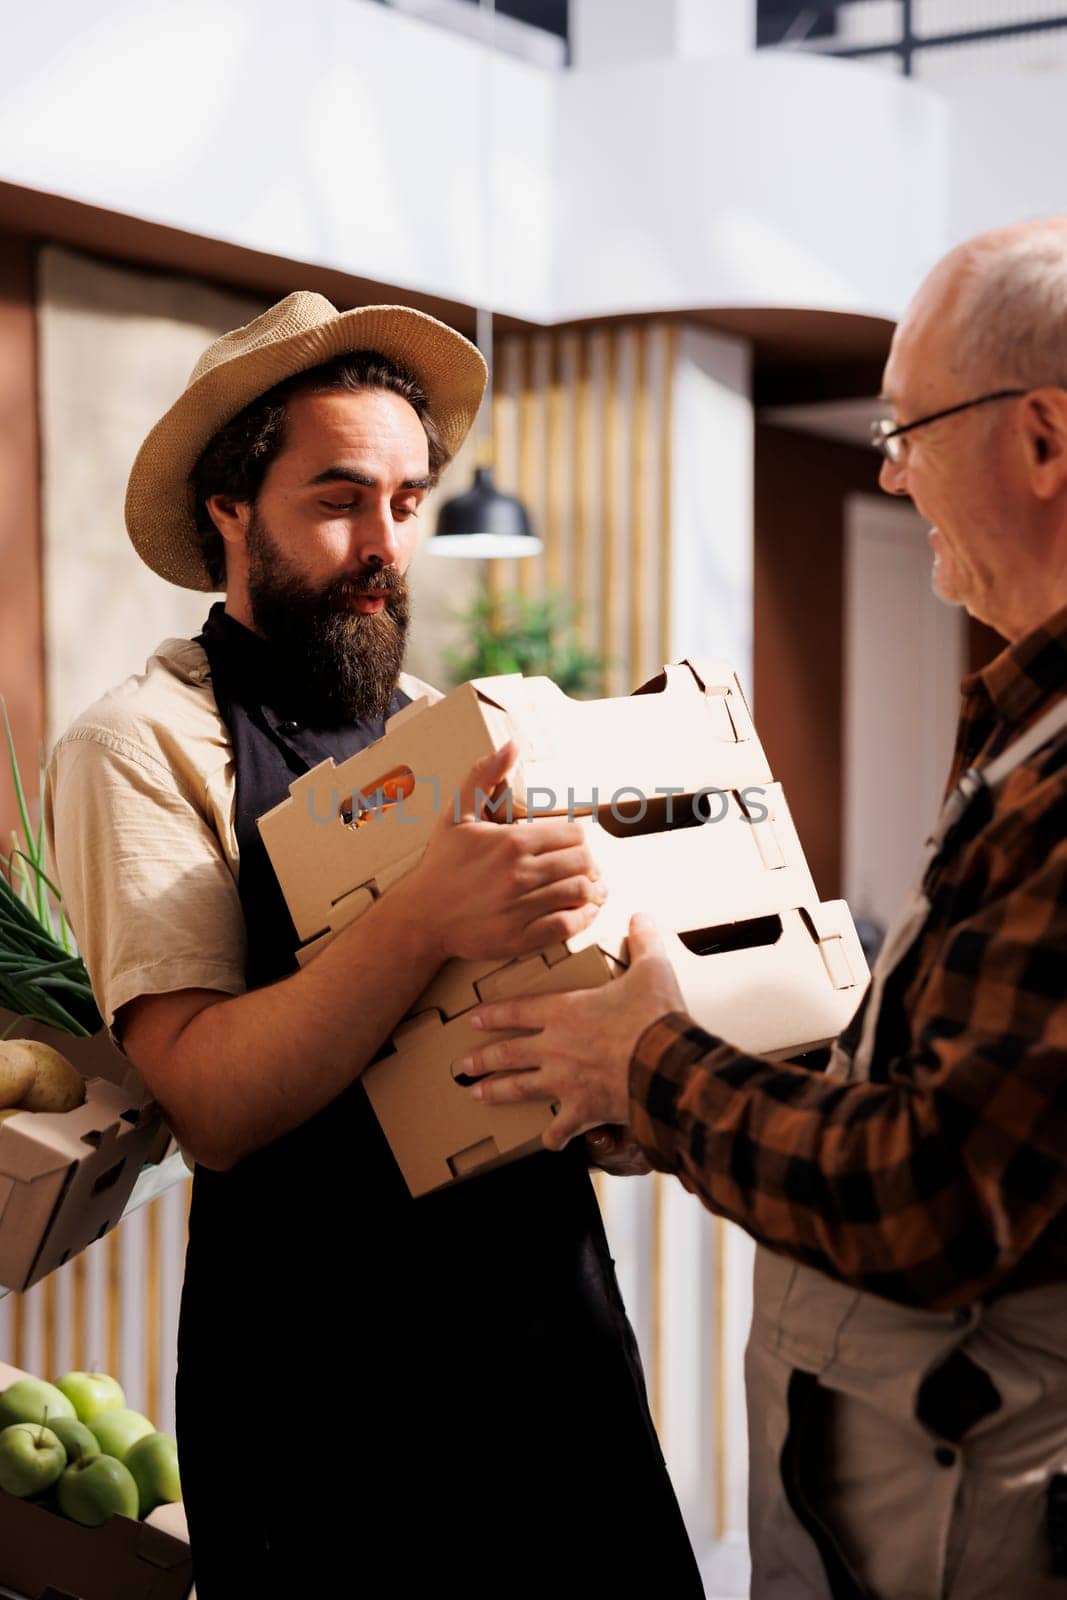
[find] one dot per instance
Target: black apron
(377, 1393)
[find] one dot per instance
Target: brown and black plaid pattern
(944, 1179)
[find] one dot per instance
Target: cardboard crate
(454, 1136)
(688, 729)
(725, 870)
(779, 998)
(123, 1560)
(65, 1177)
(734, 895)
(320, 858)
(40, 1550)
(810, 961)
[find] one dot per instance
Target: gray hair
(1012, 311)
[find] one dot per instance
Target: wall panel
(21, 623)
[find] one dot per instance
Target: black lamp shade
(484, 523)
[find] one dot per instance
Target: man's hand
(576, 1047)
(613, 1150)
(492, 890)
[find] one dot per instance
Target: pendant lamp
(484, 523)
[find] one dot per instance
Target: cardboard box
(454, 1136)
(810, 961)
(729, 869)
(320, 858)
(778, 998)
(124, 1560)
(65, 1177)
(760, 962)
(688, 729)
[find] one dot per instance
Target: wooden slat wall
(582, 435)
(114, 1309)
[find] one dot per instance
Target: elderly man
(907, 1368)
(343, 1428)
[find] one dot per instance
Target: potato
(16, 1074)
(55, 1085)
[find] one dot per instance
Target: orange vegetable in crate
(379, 796)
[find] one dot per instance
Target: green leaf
(38, 870)
(43, 913)
(41, 976)
(19, 795)
(517, 633)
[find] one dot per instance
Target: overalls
(876, 1504)
(382, 1396)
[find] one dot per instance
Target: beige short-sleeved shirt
(139, 802)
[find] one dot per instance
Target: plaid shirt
(942, 1180)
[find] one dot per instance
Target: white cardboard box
(683, 731)
(759, 960)
(65, 1177)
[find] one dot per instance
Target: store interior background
(695, 222)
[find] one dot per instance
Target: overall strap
(989, 778)
(855, 1053)
(1044, 730)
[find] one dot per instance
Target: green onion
(42, 976)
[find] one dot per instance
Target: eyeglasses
(889, 440)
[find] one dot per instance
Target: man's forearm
(896, 1188)
(256, 1066)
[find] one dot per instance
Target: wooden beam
(22, 682)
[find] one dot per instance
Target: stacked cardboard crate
(673, 790)
(65, 1177)
(42, 1553)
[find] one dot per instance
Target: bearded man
(351, 1416)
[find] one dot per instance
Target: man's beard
(342, 665)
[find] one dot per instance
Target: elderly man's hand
(576, 1047)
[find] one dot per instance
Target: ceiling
(548, 14)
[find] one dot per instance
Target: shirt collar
(254, 661)
(1026, 673)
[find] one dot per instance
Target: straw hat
(299, 332)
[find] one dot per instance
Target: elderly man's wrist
(651, 1045)
(654, 1039)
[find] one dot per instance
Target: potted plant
(536, 637)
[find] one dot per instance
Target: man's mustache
(385, 581)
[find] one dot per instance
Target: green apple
(33, 1400)
(76, 1439)
(91, 1392)
(96, 1488)
(116, 1431)
(153, 1461)
(31, 1458)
